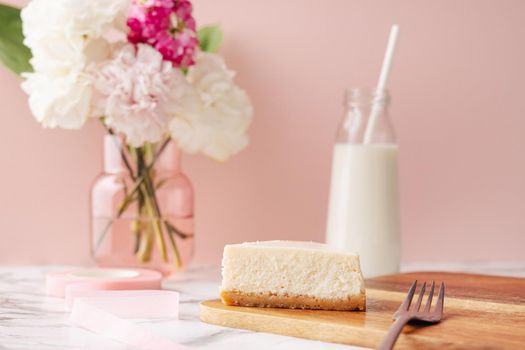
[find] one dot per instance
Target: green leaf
(13, 53)
(210, 38)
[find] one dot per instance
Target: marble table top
(31, 320)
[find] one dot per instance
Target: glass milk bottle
(363, 215)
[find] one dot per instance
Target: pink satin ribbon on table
(102, 279)
(129, 303)
(100, 311)
(99, 302)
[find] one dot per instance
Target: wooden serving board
(481, 312)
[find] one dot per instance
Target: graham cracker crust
(237, 298)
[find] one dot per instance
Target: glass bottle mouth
(366, 96)
(360, 104)
(113, 154)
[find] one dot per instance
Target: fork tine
(408, 299)
(441, 299)
(430, 295)
(420, 298)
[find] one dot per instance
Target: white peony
(215, 113)
(65, 37)
(135, 90)
(59, 100)
(81, 70)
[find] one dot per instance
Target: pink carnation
(168, 26)
(136, 91)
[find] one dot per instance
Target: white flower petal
(65, 36)
(136, 90)
(59, 101)
(215, 114)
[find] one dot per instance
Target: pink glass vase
(142, 208)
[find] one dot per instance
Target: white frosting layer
(294, 268)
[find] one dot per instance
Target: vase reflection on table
(142, 208)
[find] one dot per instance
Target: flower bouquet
(143, 70)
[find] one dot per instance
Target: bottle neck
(169, 160)
(113, 162)
(360, 104)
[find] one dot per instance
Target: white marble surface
(31, 320)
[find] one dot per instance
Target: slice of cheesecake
(290, 274)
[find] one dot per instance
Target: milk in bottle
(363, 214)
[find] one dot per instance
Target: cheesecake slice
(289, 274)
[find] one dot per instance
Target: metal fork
(405, 314)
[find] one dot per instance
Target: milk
(363, 214)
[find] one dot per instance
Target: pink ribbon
(100, 299)
(87, 314)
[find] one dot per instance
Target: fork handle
(393, 333)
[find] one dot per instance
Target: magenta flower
(168, 26)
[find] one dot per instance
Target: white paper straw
(381, 84)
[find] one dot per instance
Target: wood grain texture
(481, 312)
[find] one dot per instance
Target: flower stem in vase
(155, 224)
(149, 195)
(146, 253)
(178, 260)
(145, 245)
(136, 228)
(148, 184)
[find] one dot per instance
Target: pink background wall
(458, 107)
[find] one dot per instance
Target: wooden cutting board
(481, 312)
